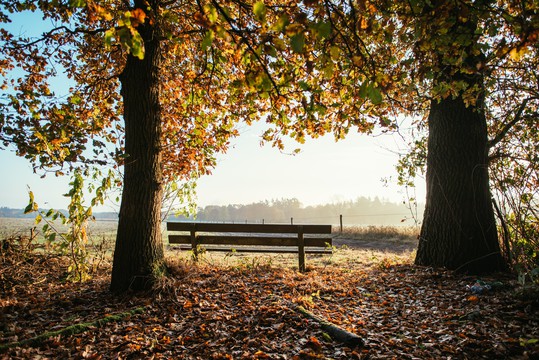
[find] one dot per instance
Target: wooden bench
(270, 238)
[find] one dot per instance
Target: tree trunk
(138, 255)
(459, 229)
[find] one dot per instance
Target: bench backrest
(249, 234)
(249, 228)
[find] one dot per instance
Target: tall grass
(379, 233)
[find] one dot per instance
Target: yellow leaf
(334, 51)
(517, 53)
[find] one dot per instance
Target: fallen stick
(335, 332)
(71, 330)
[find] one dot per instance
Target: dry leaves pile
(241, 312)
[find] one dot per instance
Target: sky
(324, 172)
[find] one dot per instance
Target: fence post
(340, 220)
(291, 221)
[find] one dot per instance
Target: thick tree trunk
(459, 229)
(138, 255)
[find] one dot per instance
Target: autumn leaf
(208, 39)
(314, 344)
(259, 9)
(374, 94)
(297, 42)
(518, 53)
(139, 16)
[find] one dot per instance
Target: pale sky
(324, 172)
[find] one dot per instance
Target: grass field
(355, 245)
(21, 227)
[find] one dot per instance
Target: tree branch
(246, 40)
(518, 116)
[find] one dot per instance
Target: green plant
(74, 242)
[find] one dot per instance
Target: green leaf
(363, 89)
(323, 29)
(328, 71)
(208, 39)
(334, 52)
(28, 209)
(212, 14)
(137, 46)
(109, 35)
(75, 100)
(259, 8)
(303, 85)
(374, 94)
(281, 23)
(32, 206)
(298, 42)
(77, 3)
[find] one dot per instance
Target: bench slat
(260, 250)
(249, 228)
(250, 240)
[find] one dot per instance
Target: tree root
(71, 330)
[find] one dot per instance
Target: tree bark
(138, 255)
(459, 229)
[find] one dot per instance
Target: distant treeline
(360, 211)
(363, 210)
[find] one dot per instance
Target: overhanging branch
(518, 116)
(249, 45)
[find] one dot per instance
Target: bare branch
(518, 116)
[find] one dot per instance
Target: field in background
(10, 227)
(21, 227)
(355, 245)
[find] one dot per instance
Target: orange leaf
(261, 355)
(139, 15)
(314, 344)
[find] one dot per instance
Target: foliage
(74, 242)
(179, 198)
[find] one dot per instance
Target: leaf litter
(210, 311)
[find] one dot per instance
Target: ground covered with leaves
(249, 310)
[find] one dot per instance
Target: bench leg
(194, 245)
(301, 251)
